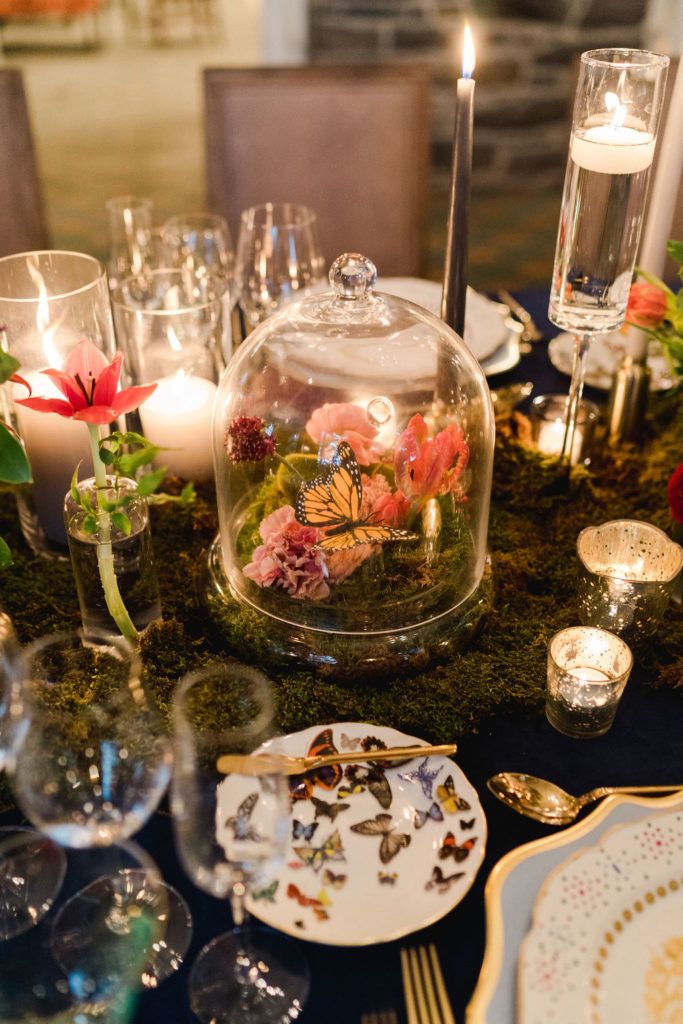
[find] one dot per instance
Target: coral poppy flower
(423, 465)
(646, 305)
(89, 385)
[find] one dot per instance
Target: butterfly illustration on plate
(336, 881)
(316, 856)
(240, 823)
(314, 902)
(466, 825)
(449, 848)
(305, 832)
(301, 786)
(386, 877)
(382, 825)
(326, 809)
(423, 776)
(421, 818)
(371, 778)
(267, 894)
(350, 742)
(449, 799)
(442, 882)
(332, 502)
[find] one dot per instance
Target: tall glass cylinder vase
(169, 325)
(49, 302)
(614, 131)
(112, 565)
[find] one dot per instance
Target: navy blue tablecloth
(644, 746)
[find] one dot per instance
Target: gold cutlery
(531, 331)
(383, 1017)
(269, 764)
(546, 802)
(423, 987)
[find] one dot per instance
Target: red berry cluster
(246, 440)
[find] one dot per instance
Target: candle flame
(468, 60)
(53, 356)
(616, 109)
(174, 340)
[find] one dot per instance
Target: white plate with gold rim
(373, 853)
(604, 355)
(514, 884)
(607, 928)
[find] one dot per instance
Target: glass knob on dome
(353, 276)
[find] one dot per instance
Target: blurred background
(115, 99)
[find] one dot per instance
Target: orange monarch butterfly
(332, 502)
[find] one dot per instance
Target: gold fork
(383, 1017)
(423, 986)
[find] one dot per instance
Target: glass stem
(237, 897)
(581, 346)
(105, 553)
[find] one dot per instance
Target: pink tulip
(646, 305)
(424, 466)
(89, 385)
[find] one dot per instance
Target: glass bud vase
(131, 554)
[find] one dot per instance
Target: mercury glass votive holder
(627, 574)
(548, 415)
(588, 669)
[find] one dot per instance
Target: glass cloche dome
(353, 448)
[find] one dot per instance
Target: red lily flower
(88, 383)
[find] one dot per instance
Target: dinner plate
(513, 886)
(373, 852)
(604, 356)
(606, 942)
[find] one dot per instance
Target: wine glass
(95, 762)
(278, 257)
(200, 243)
(32, 866)
(231, 832)
(130, 237)
(612, 145)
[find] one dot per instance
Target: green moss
(535, 518)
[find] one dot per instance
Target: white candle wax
(551, 439)
(613, 150)
(161, 360)
(178, 416)
(54, 445)
(587, 674)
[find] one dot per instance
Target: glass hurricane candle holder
(588, 669)
(169, 324)
(628, 572)
(548, 416)
(49, 302)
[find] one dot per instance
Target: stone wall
(526, 68)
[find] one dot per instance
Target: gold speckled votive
(628, 572)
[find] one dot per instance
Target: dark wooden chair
(22, 223)
(351, 142)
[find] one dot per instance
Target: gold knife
(281, 764)
(531, 331)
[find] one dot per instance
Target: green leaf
(130, 464)
(188, 494)
(675, 250)
(105, 504)
(5, 555)
(75, 493)
(107, 455)
(132, 438)
(90, 523)
(8, 366)
(122, 522)
(14, 465)
(148, 483)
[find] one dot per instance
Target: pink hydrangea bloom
(288, 558)
(348, 422)
(424, 466)
(392, 509)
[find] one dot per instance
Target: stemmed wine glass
(31, 866)
(278, 257)
(612, 145)
(231, 831)
(95, 762)
(200, 243)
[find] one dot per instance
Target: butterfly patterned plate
(373, 852)
(606, 945)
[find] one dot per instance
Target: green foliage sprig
(14, 464)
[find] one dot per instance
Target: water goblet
(231, 833)
(199, 243)
(278, 257)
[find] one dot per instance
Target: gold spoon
(268, 764)
(546, 802)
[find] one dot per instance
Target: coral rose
(675, 493)
(646, 305)
(344, 421)
(392, 509)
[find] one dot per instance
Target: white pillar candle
(550, 439)
(178, 416)
(613, 149)
(54, 445)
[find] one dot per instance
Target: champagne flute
(231, 832)
(31, 866)
(278, 257)
(614, 129)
